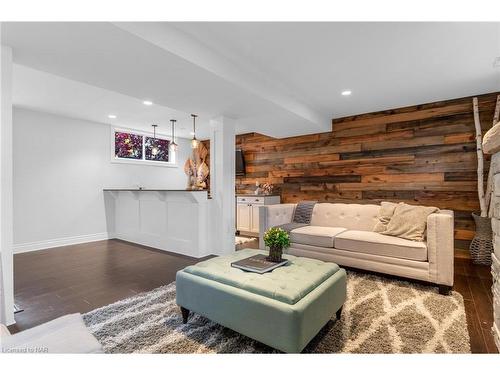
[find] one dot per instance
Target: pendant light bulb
(194, 141)
(154, 149)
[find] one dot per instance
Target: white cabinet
(255, 218)
(244, 217)
(247, 211)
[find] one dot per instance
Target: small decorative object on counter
(257, 188)
(196, 168)
(267, 189)
(277, 239)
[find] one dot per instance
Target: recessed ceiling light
(112, 116)
(346, 92)
(147, 102)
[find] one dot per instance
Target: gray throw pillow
(409, 222)
(303, 212)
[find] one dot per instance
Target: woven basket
(481, 246)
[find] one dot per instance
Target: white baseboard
(56, 242)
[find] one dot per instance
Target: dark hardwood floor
(80, 278)
(474, 284)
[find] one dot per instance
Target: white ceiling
(37, 90)
(386, 65)
(279, 79)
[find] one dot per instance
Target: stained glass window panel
(128, 145)
(162, 147)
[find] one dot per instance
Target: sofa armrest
(66, 334)
(440, 247)
(4, 331)
(273, 215)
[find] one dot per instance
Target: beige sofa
(342, 233)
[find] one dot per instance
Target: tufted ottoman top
(288, 284)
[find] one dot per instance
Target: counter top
(145, 189)
(257, 195)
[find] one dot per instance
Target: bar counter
(174, 220)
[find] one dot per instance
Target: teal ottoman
(284, 308)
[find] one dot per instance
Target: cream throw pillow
(384, 216)
(409, 222)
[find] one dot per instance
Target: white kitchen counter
(166, 219)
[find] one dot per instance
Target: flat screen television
(240, 163)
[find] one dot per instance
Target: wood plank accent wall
(423, 154)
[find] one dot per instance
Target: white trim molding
(57, 242)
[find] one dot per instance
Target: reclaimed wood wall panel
(423, 154)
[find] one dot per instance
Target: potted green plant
(277, 239)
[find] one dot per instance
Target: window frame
(156, 163)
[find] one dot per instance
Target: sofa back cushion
(350, 216)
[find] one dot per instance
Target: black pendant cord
(173, 130)
(154, 132)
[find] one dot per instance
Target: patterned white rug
(380, 315)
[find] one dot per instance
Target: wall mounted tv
(240, 163)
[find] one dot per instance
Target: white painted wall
(7, 274)
(61, 166)
(222, 182)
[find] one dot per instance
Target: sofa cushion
(288, 284)
(409, 221)
(303, 212)
(350, 216)
(380, 244)
(315, 235)
(384, 216)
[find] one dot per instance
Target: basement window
(162, 152)
(128, 145)
(138, 147)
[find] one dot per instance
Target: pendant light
(154, 149)
(173, 145)
(194, 141)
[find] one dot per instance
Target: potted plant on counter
(277, 239)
